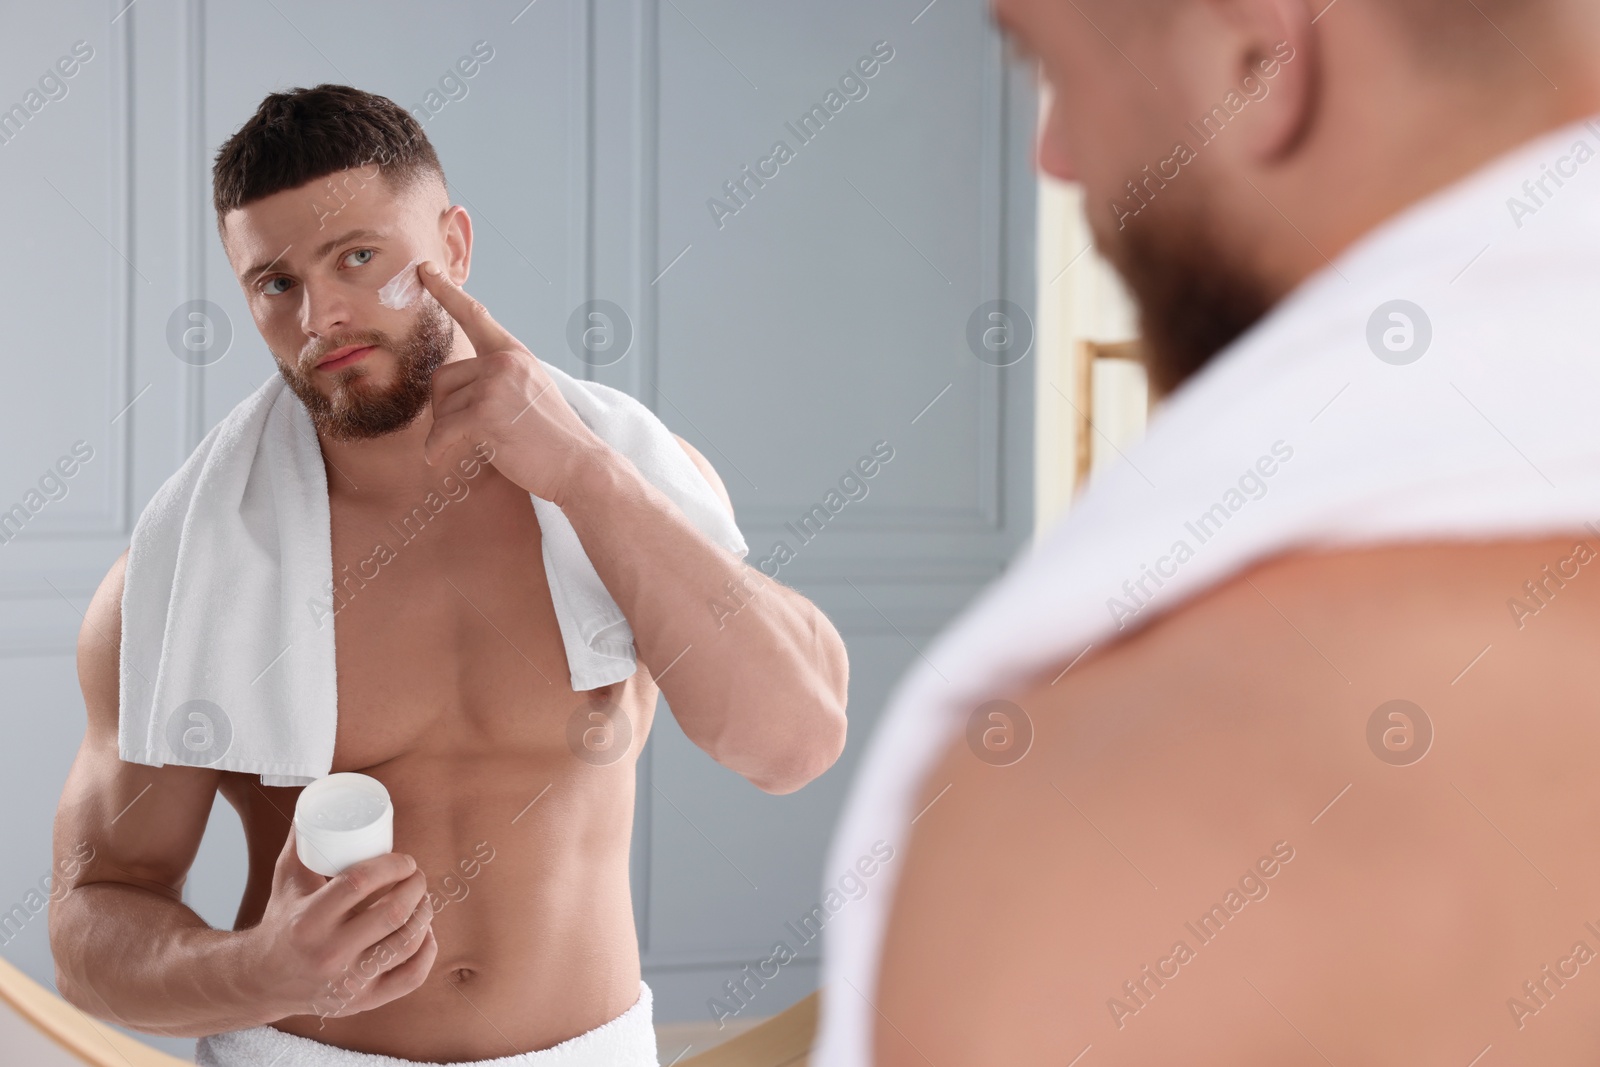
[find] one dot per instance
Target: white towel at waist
(227, 627)
(629, 1040)
(1298, 435)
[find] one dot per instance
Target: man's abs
(527, 869)
(513, 792)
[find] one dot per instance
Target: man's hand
(764, 696)
(507, 398)
(322, 949)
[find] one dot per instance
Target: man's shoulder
(100, 648)
(1424, 616)
(1301, 652)
(1406, 752)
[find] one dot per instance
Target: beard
(1193, 298)
(356, 409)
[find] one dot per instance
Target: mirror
(802, 237)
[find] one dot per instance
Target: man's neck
(391, 468)
(1341, 193)
(376, 469)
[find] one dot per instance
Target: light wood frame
(1086, 355)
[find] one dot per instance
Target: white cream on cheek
(401, 291)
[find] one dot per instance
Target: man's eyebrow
(255, 272)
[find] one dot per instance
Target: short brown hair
(304, 134)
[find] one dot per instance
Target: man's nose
(325, 309)
(1050, 149)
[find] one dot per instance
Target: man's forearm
(143, 960)
(755, 674)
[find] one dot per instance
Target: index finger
(485, 334)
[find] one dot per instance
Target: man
(452, 683)
(1314, 807)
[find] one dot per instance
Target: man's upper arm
(706, 469)
(119, 821)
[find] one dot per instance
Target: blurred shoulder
(1359, 723)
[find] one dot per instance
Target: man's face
(1106, 123)
(311, 263)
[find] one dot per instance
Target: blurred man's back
(1321, 806)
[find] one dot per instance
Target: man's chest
(445, 635)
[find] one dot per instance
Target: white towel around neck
(227, 626)
(1493, 433)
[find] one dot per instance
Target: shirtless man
(453, 686)
(1407, 930)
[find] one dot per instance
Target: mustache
(426, 305)
(321, 352)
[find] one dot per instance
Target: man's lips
(341, 357)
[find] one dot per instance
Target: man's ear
(455, 229)
(1276, 71)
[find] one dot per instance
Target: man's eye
(265, 287)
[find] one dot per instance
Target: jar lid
(342, 819)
